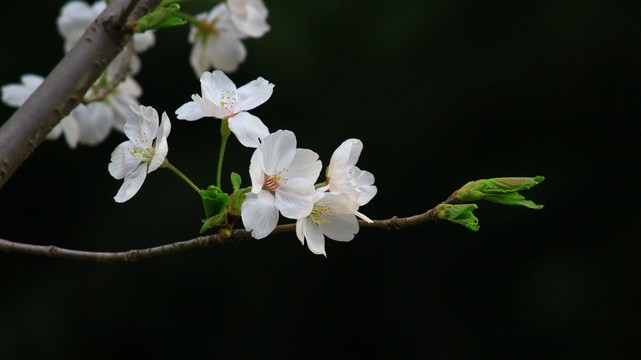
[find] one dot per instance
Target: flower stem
(168, 165)
(224, 134)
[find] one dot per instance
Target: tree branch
(199, 242)
(68, 82)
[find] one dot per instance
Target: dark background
(440, 93)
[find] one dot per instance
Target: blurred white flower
(76, 16)
(249, 16)
(282, 180)
(143, 153)
(16, 94)
(220, 99)
(333, 215)
(217, 42)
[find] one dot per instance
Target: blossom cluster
(217, 42)
(283, 176)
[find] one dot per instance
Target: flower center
(228, 100)
(321, 214)
(143, 149)
(273, 182)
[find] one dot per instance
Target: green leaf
(161, 17)
(214, 200)
(235, 180)
(460, 214)
(215, 203)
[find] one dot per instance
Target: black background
(440, 93)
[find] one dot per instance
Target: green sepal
(161, 17)
(215, 203)
(460, 214)
(235, 180)
(500, 190)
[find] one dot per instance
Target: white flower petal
(294, 205)
(161, 146)
(253, 94)
(198, 58)
(225, 51)
(94, 122)
(248, 129)
(259, 214)
(364, 217)
(71, 130)
(305, 165)
(123, 161)
(16, 94)
(299, 230)
(75, 17)
(278, 150)
(141, 128)
(213, 84)
(209, 108)
(345, 155)
(250, 16)
(142, 42)
(256, 172)
(341, 227)
(189, 111)
(314, 237)
(133, 182)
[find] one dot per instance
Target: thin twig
(199, 242)
(120, 76)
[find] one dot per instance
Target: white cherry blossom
(344, 176)
(220, 99)
(249, 16)
(282, 181)
(16, 94)
(333, 215)
(143, 153)
(217, 42)
(76, 16)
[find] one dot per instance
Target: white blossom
(333, 215)
(76, 16)
(282, 181)
(217, 42)
(143, 153)
(16, 94)
(220, 99)
(249, 16)
(97, 118)
(344, 176)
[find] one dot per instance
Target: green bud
(499, 190)
(224, 233)
(460, 214)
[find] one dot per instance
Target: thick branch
(68, 82)
(199, 242)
